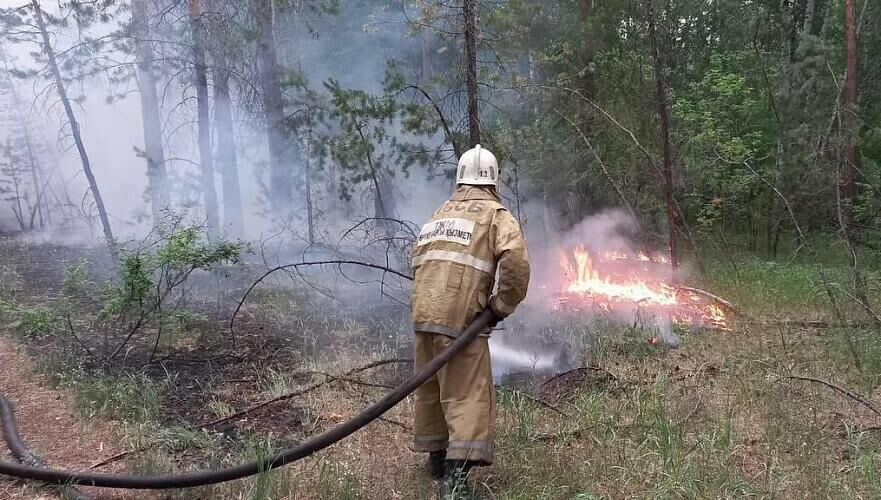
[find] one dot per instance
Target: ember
(627, 282)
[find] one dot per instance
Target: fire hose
(23, 454)
(206, 477)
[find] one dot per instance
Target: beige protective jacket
(455, 259)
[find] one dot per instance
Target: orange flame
(585, 281)
(588, 282)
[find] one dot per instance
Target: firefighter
(455, 259)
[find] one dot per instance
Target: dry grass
(708, 420)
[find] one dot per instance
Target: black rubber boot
(454, 485)
(437, 464)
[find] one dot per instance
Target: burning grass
(624, 284)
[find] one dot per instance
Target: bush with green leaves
(148, 296)
(153, 278)
(32, 322)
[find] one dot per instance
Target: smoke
(536, 338)
(341, 47)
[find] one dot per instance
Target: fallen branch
(114, 458)
(575, 434)
(852, 395)
(338, 263)
(715, 298)
(580, 368)
(402, 425)
(542, 403)
(302, 391)
(351, 380)
(805, 323)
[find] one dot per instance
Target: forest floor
(45, 415)
(715, 418)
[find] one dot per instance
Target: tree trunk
(280, 151)
(849, 165)
(663, 106)
(74, 124)
(226, 154)
(37, 209)
(40, 211)
(150, 115)
(587, 42)
(425, 42)
(810, 12)
(471, 71)
(307, 177)
(209, 191)
(17, 208)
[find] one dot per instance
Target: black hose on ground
(206, 477)
(23, 454)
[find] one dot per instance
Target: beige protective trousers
(456, 409)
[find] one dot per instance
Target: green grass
(128, 398)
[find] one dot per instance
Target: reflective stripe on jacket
(455, 259)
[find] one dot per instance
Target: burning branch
(727, 305)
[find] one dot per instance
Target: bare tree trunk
(471, 71)
(37, 210)
(17, 208)
(663, 105)
(74, 124)
(586, 8)
(209, 191)
(847, 174)
(849, 164)
(226, 154)
(150, 115)
(810, 12)
(587, 43)
(425, 42)
(307, 176)
(281, 190)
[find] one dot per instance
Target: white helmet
(478, 167)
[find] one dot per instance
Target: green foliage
(189, 249)
(137, 285)
(150, 275)
(153, 278)
(336, 480)
(519, 411)
(722, 118)
(377, 135)
(130, 398)
(76, 280)
(37, 321)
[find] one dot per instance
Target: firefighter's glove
(495, 319)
